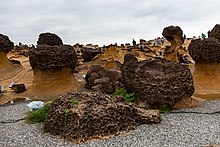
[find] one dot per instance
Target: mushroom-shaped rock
(159, 83)
(175, 36)
(206, 54)
(53, 68)
(49, 39)
(89, 53)
(7, 68)
(81, 117)
(215, 32)
(101, 79)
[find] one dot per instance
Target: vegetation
(165, 109)
(74, 101)
(128, 97)
(67, 112)
(37, 116)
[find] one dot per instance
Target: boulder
(205, 51)
(6, 44)
(159, 83)
(81, 117)
(215, 32)
(18, 88)
(49, 39)
(108, 80)
(88, 53)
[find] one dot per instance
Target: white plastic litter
(10, 85)
(35, 105)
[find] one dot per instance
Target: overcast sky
(104, 21)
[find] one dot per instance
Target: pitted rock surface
(205, 51)
(88, 54)
(6, 44)
(101, 79)
(215, 32)
(158, 82)
(95, 115)
(46, 57)
(49, 39)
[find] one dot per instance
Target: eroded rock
(6, 44)
(205, 50)
(80, 117)
(215, 32)
(49, 39)
(159, 83)
(101, 79)
(88, 53)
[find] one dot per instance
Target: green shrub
(128, 97)
(74, 101)
(37, 116)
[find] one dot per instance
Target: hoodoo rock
(88, 53)
(81, 117)
(49, 39)
(215, 32)
(101, 79)
(159, 83)
(53, 68)
(175, 36)
(7, 68)
(206, 54)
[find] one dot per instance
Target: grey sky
(104, 21)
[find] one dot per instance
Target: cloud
(104, 21)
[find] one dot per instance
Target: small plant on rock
(128, 97)
(74, 101)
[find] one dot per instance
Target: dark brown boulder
(88, 54)
(205, 51)
(215, 32)
(159, 83)
(46, 57)
(49, 39)
(18, 88)
(99, 78)
(6, 44)
(81, 117)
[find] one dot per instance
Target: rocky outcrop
(6, 44)
(46, 57)
(175, 36)
(100, 79)
(88, 54)
(49, 39)
(80, 117)
(215, 32)
(53, 68)
(205, 51)
(159, 83)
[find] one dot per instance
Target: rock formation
(80, 117)
(88, 53)
(175, 36)
(206, 54)
(101, 79)
(53, 68)
(49, 39)
(215, 32)
(159, 83)
(7, 67)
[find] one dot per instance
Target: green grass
(37, 116)
(74, 101)
(128, 97)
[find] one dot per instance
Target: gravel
(177, 129)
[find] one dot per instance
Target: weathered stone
(158, 82)
(98, 75)
(175, 36)
(46, 57)
(18, 88)
(6, 44)
(88, 53)
(80, 117)
(49, 39)
(215, 32)
(205, 51)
